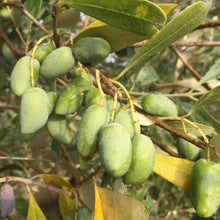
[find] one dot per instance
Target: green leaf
(209, 97)
(213, 73)
(118, 39)
(179, 126)
(34, 211)
(136, 16)
(167, 8)
(179, 26)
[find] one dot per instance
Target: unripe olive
(205, 187)
(81, 73)
(58, 62)
(58, 128)
(87, 136)
(159, 105)
(5, 14)
(188, 150)
(115, 149)
(21, 75)
(7, 54)
(109, 105)
(72, 97)
(93, 96)
(91, 49)
(124, 118)
(143, 160)
(34, 110)
(52, 96)
(42, 51)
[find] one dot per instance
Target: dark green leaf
(136, 16)
(179, 26)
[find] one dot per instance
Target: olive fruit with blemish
(72, 97)
(143, 160)
(34, 110)
(57, 63)
(115, 149)
(156, 104)
(93, 96)
(21, 75)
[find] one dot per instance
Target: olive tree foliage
(109, 109)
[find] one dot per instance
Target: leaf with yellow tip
(98, 205)
(167, 8)
(173, 169)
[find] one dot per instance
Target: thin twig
(67, 156)
(25, 12)
(192, 70)
(30, 159)
(196, 43)
(90, 176)
(8, 106)
(209, 25)
(15, 50)
(31, 182)
(56, 37)
(160, 145)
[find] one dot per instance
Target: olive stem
(32, 57)
(113, 108)
(97, 73)
(31, 182)
(131, 105)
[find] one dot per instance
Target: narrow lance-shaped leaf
(179, 26)
(98, 213)
(173, 169)
(213, 73)
(209, 97)
(137, 16)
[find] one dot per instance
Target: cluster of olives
(124, 152)
(205, 175)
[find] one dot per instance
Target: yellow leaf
(58, 180)
(98, 205)
(173, 169)
(66, 206)
(34, 211)
(167, 8)
(115, 206)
